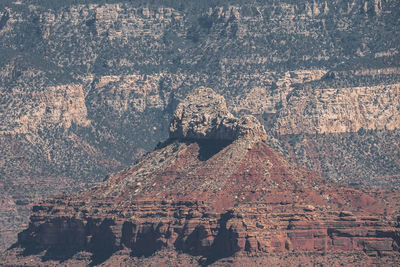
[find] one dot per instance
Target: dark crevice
(193, 243)
(102, 244)
(147, 241)
(209, 148)
(4, 19)
(225, 243)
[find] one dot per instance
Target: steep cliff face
(340, 110)
(57, 105)
(239, 202)
(86, 88)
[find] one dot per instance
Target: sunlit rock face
(203, 115)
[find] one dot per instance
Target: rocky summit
(213, 194)
(204, 116)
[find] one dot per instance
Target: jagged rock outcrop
(203, 115)
(212, 201)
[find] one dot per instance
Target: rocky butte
(204, 116)
(87, 87)
(213, 194)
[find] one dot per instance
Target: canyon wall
(88, 87)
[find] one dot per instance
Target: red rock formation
(221, 203)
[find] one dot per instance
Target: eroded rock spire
(203, 115)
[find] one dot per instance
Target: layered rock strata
(87, 87)
(215, 202)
